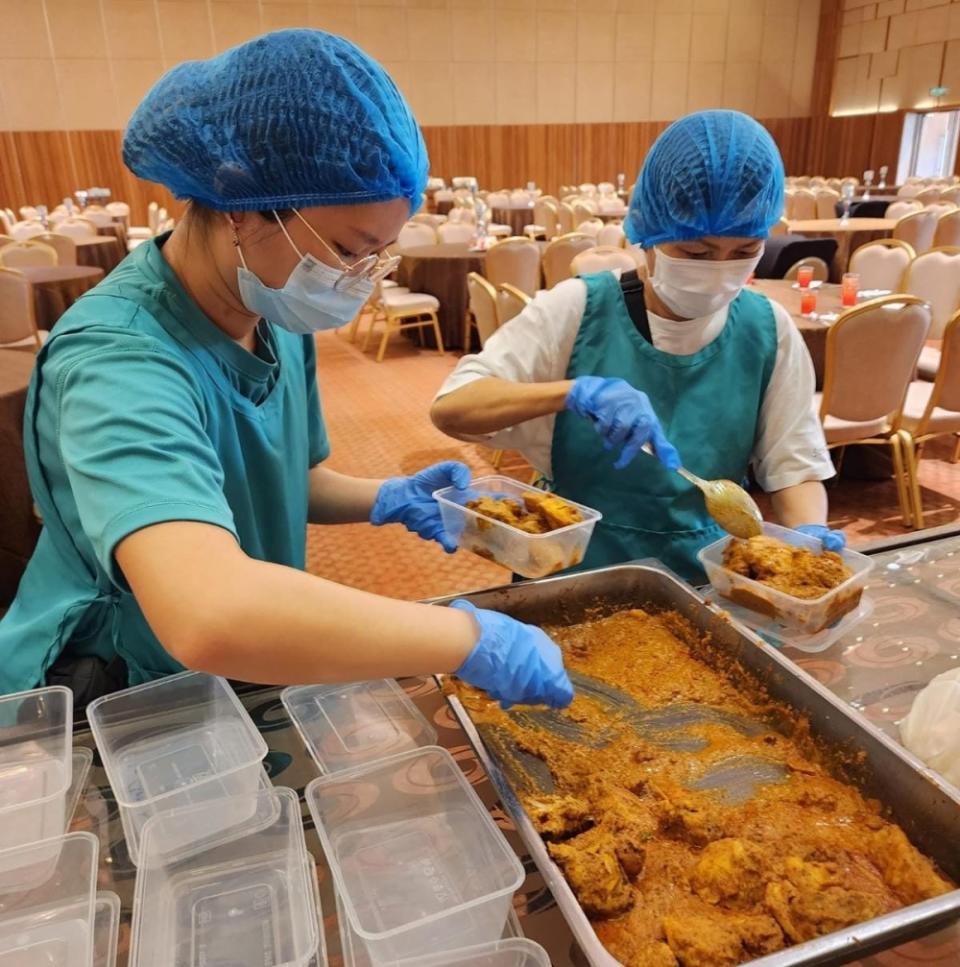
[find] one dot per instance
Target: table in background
(877, 668)
(57, 287)
(117, 230)
(100, 251)
(444, 207)
(854, 230)
(18, 525)
(516, 216)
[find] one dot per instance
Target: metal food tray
(925, 806)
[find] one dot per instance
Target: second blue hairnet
(292, 119)
(710, 173)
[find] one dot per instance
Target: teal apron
(709, 406)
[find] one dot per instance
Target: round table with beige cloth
(57, 287)
(517, 217)
(18, 525)
(100, 251)
(116, 230)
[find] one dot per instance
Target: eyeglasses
(371, 268)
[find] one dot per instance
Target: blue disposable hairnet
(292, 119)
(710, 173)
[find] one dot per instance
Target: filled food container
(176, 742)
(419, 864)
(531, 555)
(36, 764)
(807, 615)
(344, 726)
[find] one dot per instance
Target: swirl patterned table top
(913, 634)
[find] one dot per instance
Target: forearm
(805, 503)
(336, 498)
(492, 404)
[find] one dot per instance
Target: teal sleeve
(316, 428)
(132, 442)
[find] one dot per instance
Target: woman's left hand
(832, 540)
(409, 501)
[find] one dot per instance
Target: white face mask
(694, 288)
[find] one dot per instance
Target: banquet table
(516, 216)
(116, 230)
(444, 207)
(101, 251)
(850, 235)
(877, 668)
(57, 287)
(18, 525)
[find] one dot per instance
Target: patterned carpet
(377, 418)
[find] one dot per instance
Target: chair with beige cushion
(900, 209)
(515, 261)
(948, 230)
(821, 271)
(805, 205)
(909, 190)
(80, 228)
(400, 311)
(546, 220)
(928, 196)
(456, 233)
(932, 410)
(63, 245)
(603, 258)
(612, 234)
(99, 216)
(871, 358)
(510, 302)
(941, 208)
(6, 223)
(935, 277)
(827, 200)
(918, 229)
(558, 255)
(882, 264)
(27, 252)
(415, 234)
(583, 210)
(951, 195)
(483, 309)
(18, 321)
(591, 227)
(565, 217)
(23, 230)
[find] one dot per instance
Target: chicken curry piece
(796, 571)
(670, 872)
(540, 512)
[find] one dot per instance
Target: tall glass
(849, 289)
(804, 276)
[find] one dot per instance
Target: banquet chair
(520, 198)
(932, 410)
(510, 302)
(400, 312)
(558, 255)
(602, 258)
(483, 310)
(100, 217)
(587, 188)
(27, 252)
(788, 205)
(63, 245)
(591, 227)
(414, 234)
(849, 180)
(583, 210)
(821, 271)
(882, 263)
(928, 196)
(77, 228)
(951, 195)
(612, 234)
(900, 209)
(909, 190)
(6, 223)
(18, 321)
(22, 230)
(565, 218)
(826, 199)
(499, 199)
(546, 220)
(6, 240)
(948, 230)
(454, 233)
(28, 213)
(805, 205)
(941, 208)
(918, 229)
(425, 218)
(515, 261)
(871, 358)
(935, 277)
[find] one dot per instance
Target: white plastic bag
(931, 729)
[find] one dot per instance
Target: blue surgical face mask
(314, 297)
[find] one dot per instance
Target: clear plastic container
(47, 893)
(106, 924)
(175, 742)
(530, 555)
(346, 725)
(82, 761)
(810, 616)
(244, 897)
(419, 864)
(500, 953)
(36, 764)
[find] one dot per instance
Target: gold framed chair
(511, 301)
(401, 312)
(27, 253)
(559, 253)
(882, 263)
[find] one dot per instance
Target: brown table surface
(100, 251)
(57, 287)
(878, 667)
(18, 526)
(117, 230)
(517, 217)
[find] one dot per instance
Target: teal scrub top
(142, 411)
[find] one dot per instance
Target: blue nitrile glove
(409, 501)
(514, 663)
(831, 540)
(623, 416)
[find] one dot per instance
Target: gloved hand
(515, 663)
(623, 416)
(831, 540)
(409, 501)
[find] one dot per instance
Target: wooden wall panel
(825, 59)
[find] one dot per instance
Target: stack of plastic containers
(419, 865)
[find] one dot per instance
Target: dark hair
(202, 218)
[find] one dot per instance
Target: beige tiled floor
(377, 418)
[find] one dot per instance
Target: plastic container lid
(82, 761)
(106, 926)
(808, 616)
(420, 865)
(530, 555)
(347, 725)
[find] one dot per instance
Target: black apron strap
(631, 285)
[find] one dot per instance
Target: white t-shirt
(536, 345)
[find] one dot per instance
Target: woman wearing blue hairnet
(173, 435)
(697, 365)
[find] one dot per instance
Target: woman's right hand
(514, 663)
